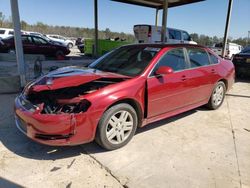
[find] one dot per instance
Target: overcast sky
(206, 17)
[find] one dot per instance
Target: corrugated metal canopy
(158, 3)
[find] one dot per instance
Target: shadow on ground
(8, 184)
(19, 144)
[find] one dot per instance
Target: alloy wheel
(119, 127)
(218, 95)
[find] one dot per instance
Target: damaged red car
(125, 89)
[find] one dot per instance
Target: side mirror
(163, 70)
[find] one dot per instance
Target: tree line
(66, 30)
(105, 34)
(210, 41)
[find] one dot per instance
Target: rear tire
(70, 45)
(117, 126)
(217, 96)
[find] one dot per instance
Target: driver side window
(173, 58)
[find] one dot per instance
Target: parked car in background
(33, 44)
(127, 88)
(80, 44)
(242, 62)
(7, 32)
(3, 48)
(81, 48)
(61, 39)
(45, 37)
(231, 49)
(152, 34)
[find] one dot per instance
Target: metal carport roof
(158, 4)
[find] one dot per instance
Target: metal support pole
(164, 21)
(230, 5)
(18, 41)
(156, 17)
(96, 27)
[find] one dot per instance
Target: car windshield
(126, 60)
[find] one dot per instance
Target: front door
(169, 92)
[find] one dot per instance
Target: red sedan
(125, 89)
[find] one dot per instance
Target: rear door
(169, 92)
(203, 74)
(42, 46)
(28, 45)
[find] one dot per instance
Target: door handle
(183, 77)
(213, 71)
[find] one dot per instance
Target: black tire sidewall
(210, 103)
(101, 129)
(70, 45)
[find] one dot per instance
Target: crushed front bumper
(52, 129)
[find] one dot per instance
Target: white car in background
(152, 34)
(61, 39)
(231, 49)
(7, 32)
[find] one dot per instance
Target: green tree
(24, 25)
(2, 17)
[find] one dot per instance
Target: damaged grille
(59, 100)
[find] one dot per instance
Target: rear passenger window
(2, 31)
(198, 57)
(213, 59)
(11, 32)
(174, 58)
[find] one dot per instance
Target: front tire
(217, 96)
(117, 126)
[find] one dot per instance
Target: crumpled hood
(69, 77)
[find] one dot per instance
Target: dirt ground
(24, 163)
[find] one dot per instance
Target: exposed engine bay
(60, 100)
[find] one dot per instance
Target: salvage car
(33, 44)
(242, 62)
(126, 88)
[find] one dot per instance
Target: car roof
(165, 45)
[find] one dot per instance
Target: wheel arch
(225, 82)
(135, 104)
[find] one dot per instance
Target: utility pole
(230, 5)
(96, 27)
